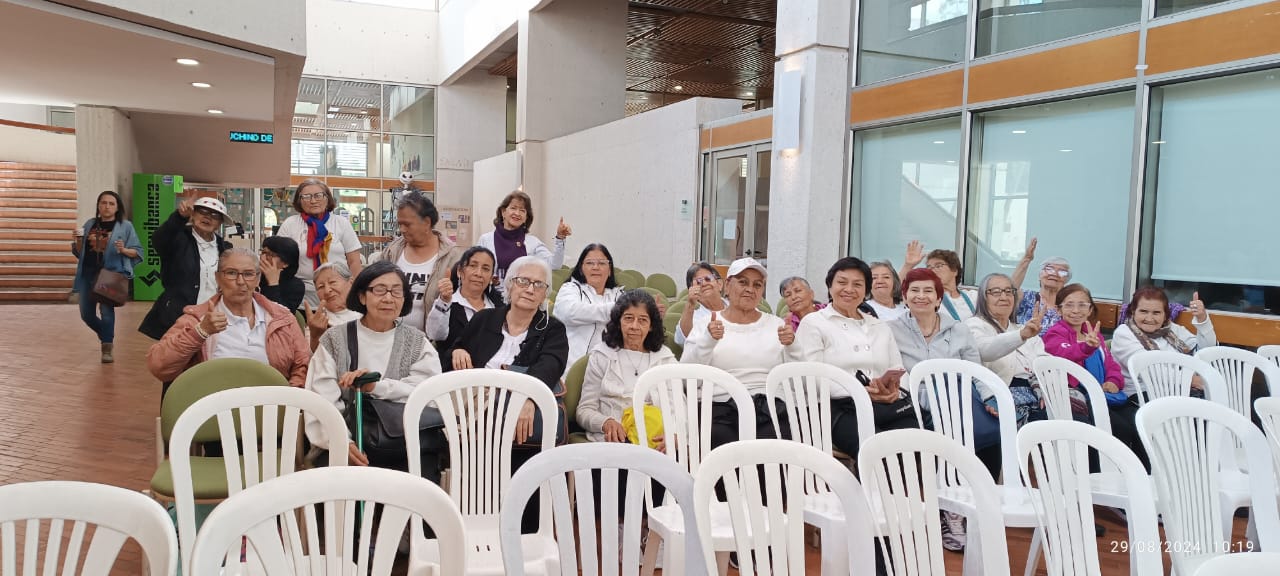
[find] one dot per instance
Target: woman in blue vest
(107, 242)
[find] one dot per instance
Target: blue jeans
(104, 327)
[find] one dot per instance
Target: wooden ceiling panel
(652, 68)
(690, 30)
(668, 86)
(745, 60)
(765, 10)
(715, 74)
(664, 51)
(641, 23)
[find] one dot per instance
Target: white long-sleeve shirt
(1124, 344)
(610, 384)
(747, 351)
(532, 247)
(438, 317)
(584, 314)
(1005, 353)
(375, 355)
(848, 344)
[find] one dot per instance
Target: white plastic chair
(260, 416)
(948, 386)
(116, 515)
(1271, 352)
(901, 471)
(1240, 564)
(1184, 439)
(480, 408)
(767, 520)
(683, 392)
(1165, 374)
(1238, 367)
(267, 517)
(1059, 458)
(805, 388)
(553, 469)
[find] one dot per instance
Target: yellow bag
(652, 424)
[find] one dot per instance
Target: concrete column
(571, 68)
(106, 157)
(808, 184)
(472, 126)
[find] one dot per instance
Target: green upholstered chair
(572, 394)
(676, 349)
(630, 279)
(764, 307)
(781, 309)
(663, 283)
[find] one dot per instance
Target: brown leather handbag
(111, 288)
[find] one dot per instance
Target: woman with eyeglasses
(510, 239)
(1055, 273)
(1079, 340)
(237, 322)
(585, 301)
(1007, 347)
(377, 342)
(520, 336)
(279, 265)
(426, 256)
(188, 244)
(746, 343)
(322, 236)
(469, 290)
(706, 295)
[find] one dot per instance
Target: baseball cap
(743, 264)
(212, 204)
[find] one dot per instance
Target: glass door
(735, 221)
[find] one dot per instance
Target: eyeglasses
(522, 282)
(704, 280)
(1000, 291)
(1077, 306)
(233, 275)
(310, 197)
(1059, 271)
(595, 263)
(207, 212)
(382, 290)
(938, 266)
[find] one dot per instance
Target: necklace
(934, 330)
(635, 368)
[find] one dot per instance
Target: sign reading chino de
(256, 137)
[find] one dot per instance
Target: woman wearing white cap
(188, 244)
(746, 343)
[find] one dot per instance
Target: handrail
(45, 127)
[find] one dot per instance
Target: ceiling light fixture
(333, 108)
(751, 93)
(202, 85)
(677, 87)
(939, 141)
(1065, 150)
(188, 61)
(214, 111)
(330, 116)
(1157, 141)
(1019, 131)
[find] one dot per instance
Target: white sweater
(610, 383)
(1005, 353)
(584, 314)
(532, 247)
(747, 351)
(848, 344)
(1124, 344)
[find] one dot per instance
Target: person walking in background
(189, 245)
(322, 235)
(107, 242)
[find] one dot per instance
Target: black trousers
(844, 422)
(724, 421)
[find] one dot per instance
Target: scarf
(1165, 332)
(507, 246)
(951, 309)
(318, 239)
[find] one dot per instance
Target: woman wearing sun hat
(188, 244)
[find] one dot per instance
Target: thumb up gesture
(563, 230)
(213, 322)
(1197, 308)
(715, 327)
(785, 334)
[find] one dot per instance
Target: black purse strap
(353, 345)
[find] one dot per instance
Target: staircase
(37, 217)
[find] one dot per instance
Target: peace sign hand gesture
(1032, 327)
(1092, 335)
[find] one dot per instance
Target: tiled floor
(65, 416)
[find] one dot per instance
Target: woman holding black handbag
(108, 248)
(348, 358)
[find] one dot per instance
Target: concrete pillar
(106, 157)
(571, 68)
(472, 126)
(808, 185)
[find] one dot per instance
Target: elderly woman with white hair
(1054, 274)
(332, 283)
(799, 299)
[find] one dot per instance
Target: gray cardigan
(953, 340)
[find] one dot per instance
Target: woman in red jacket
(237, 322)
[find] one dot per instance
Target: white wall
(39, 146)
(29, 113)
(472, 29)
(106, 156)
(494, 178)
(278, 24)
(620, 184)
(372, 42)
(199, 149)
(472, 126)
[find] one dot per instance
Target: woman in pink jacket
(1079, 341)
(237, 322)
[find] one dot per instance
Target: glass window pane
(898, 37)
(1165, 7)
(1212, 172)
(1059, 172)
(308, 110)
(1011, 24)
(907, 179)
(354, 105)
(306, 152)
(351, 154)
(409, 109)
(416, 154)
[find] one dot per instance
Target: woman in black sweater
(279, 262)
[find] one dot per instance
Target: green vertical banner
(153, 200)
